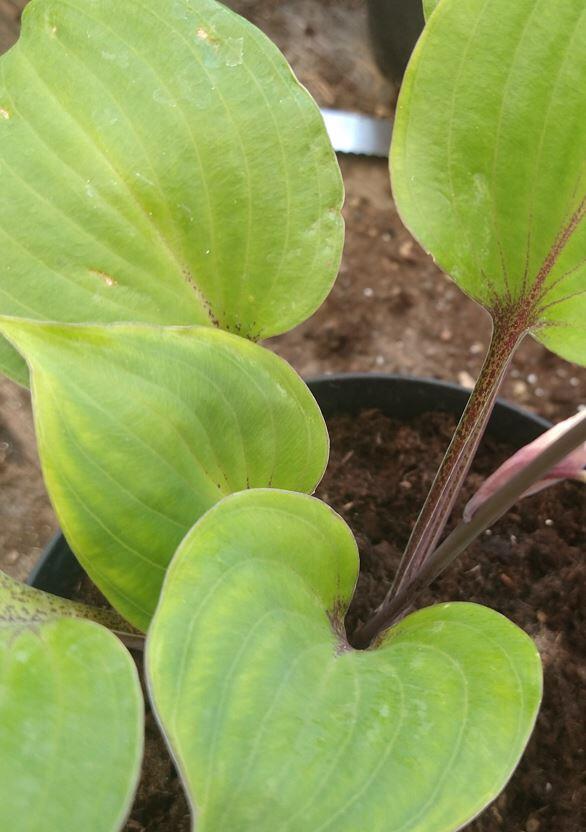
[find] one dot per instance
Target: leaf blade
(155, 149)
(275, 722)
(72, 714)
(142, 429)
(488, 161)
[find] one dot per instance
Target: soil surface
(391, 309)
(528, 567)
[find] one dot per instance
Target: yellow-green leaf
(159, 162)
(489, 159)
(141, 429)
(276, 723)
(71, 712)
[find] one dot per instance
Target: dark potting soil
(528, 566)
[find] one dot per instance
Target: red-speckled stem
(448, 481)
(510, 326)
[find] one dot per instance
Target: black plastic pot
(398, 396)
(394, 27)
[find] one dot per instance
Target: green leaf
(159, 162)
(23, 604)
(428, 7)
(142, 429)
(11, 363)
(489, 158)
(71, 712)
(277, 724)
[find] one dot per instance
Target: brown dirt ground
(391, 309)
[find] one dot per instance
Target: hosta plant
(170, 198)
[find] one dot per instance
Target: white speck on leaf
(202, 34)
(4, 113)
(140, 176)
(480, 184)
(234, 49)
(120, 58)
(107, 279)
(186, 210)
(161, 97)
(21, 656)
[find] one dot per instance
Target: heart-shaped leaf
(71, 712)
(159, 162)
(276, 723)
(489, 159)
(142, 429)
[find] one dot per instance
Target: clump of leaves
(173, 197)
